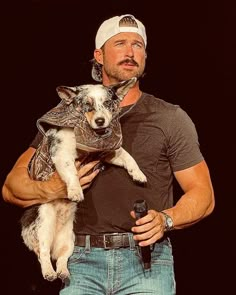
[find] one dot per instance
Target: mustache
(130, 61)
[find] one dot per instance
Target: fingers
(82, 171)
(85, 186)
(56, 188)
(86, 180)
(149, 228)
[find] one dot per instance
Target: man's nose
(129, 51)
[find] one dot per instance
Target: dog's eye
(109, 104)
(88, 107)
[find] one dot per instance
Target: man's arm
(198, 200)
(196, 203)
(19, 189)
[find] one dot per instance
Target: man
(162, 139)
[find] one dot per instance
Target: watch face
(169, 222)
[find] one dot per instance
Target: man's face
(124, 57)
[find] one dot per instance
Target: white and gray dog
(85, 121)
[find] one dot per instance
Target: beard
(115, 73)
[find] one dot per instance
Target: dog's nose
(100, 121)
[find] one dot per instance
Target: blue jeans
(95, 271)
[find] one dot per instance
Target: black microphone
(141, 209)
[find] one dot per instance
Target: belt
(106, 241)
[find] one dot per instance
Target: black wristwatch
(169, 225)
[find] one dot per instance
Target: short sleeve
(183, 147)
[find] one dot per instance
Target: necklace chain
(131, 107)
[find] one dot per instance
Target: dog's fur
(47, 229)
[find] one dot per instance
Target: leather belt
(106, 241)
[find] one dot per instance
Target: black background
(191, 62)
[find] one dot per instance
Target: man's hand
(55, 188)
(149, 228)
(19, 189)
(87, 173)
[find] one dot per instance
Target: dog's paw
(75, 194)
(50, 275)
(63, 274)
(138, 176)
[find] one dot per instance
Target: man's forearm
(21, 190)
(192, 207)
(198, 200)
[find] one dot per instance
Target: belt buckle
(106, 241)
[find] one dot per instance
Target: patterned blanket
(87, 140)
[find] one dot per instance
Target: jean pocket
(78, 255)
(162, 254)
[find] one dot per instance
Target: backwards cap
(119, 24)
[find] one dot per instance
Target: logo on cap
(119, 24)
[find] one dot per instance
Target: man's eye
(119, 43)
(137, 45)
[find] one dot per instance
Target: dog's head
(97, 102)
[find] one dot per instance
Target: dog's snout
(100, 121)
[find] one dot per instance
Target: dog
(86, 121)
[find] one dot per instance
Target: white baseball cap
(116, 25)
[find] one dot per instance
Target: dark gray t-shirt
(162, 139)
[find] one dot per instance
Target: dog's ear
(122, 88)
(67, 93)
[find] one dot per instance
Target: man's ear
(98, 55)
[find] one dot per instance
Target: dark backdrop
(191, 62)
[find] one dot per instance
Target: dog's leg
(122, 158)
(46, 231)
(64, 240)
(63, 154)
